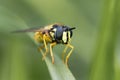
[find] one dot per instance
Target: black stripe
(67, 37)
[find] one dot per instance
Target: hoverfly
(53, 34)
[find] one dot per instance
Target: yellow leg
(64, 51)
(45, 44)
(40, 49)
(51, 52)
(67, 57)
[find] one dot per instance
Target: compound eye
(58, 32)
(66, 29)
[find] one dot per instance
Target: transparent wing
(30, 30)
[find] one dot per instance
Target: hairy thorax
(39, 37)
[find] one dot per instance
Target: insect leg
(67, 57)
(51, 52)
(40, 49)
(45, 44)
(64, 51)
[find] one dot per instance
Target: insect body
(53, 34)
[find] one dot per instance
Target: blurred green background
(96, 39)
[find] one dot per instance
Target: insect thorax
(60, 34)
(39, 37)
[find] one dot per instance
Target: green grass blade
(103, 64)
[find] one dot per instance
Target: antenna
(72, 28)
